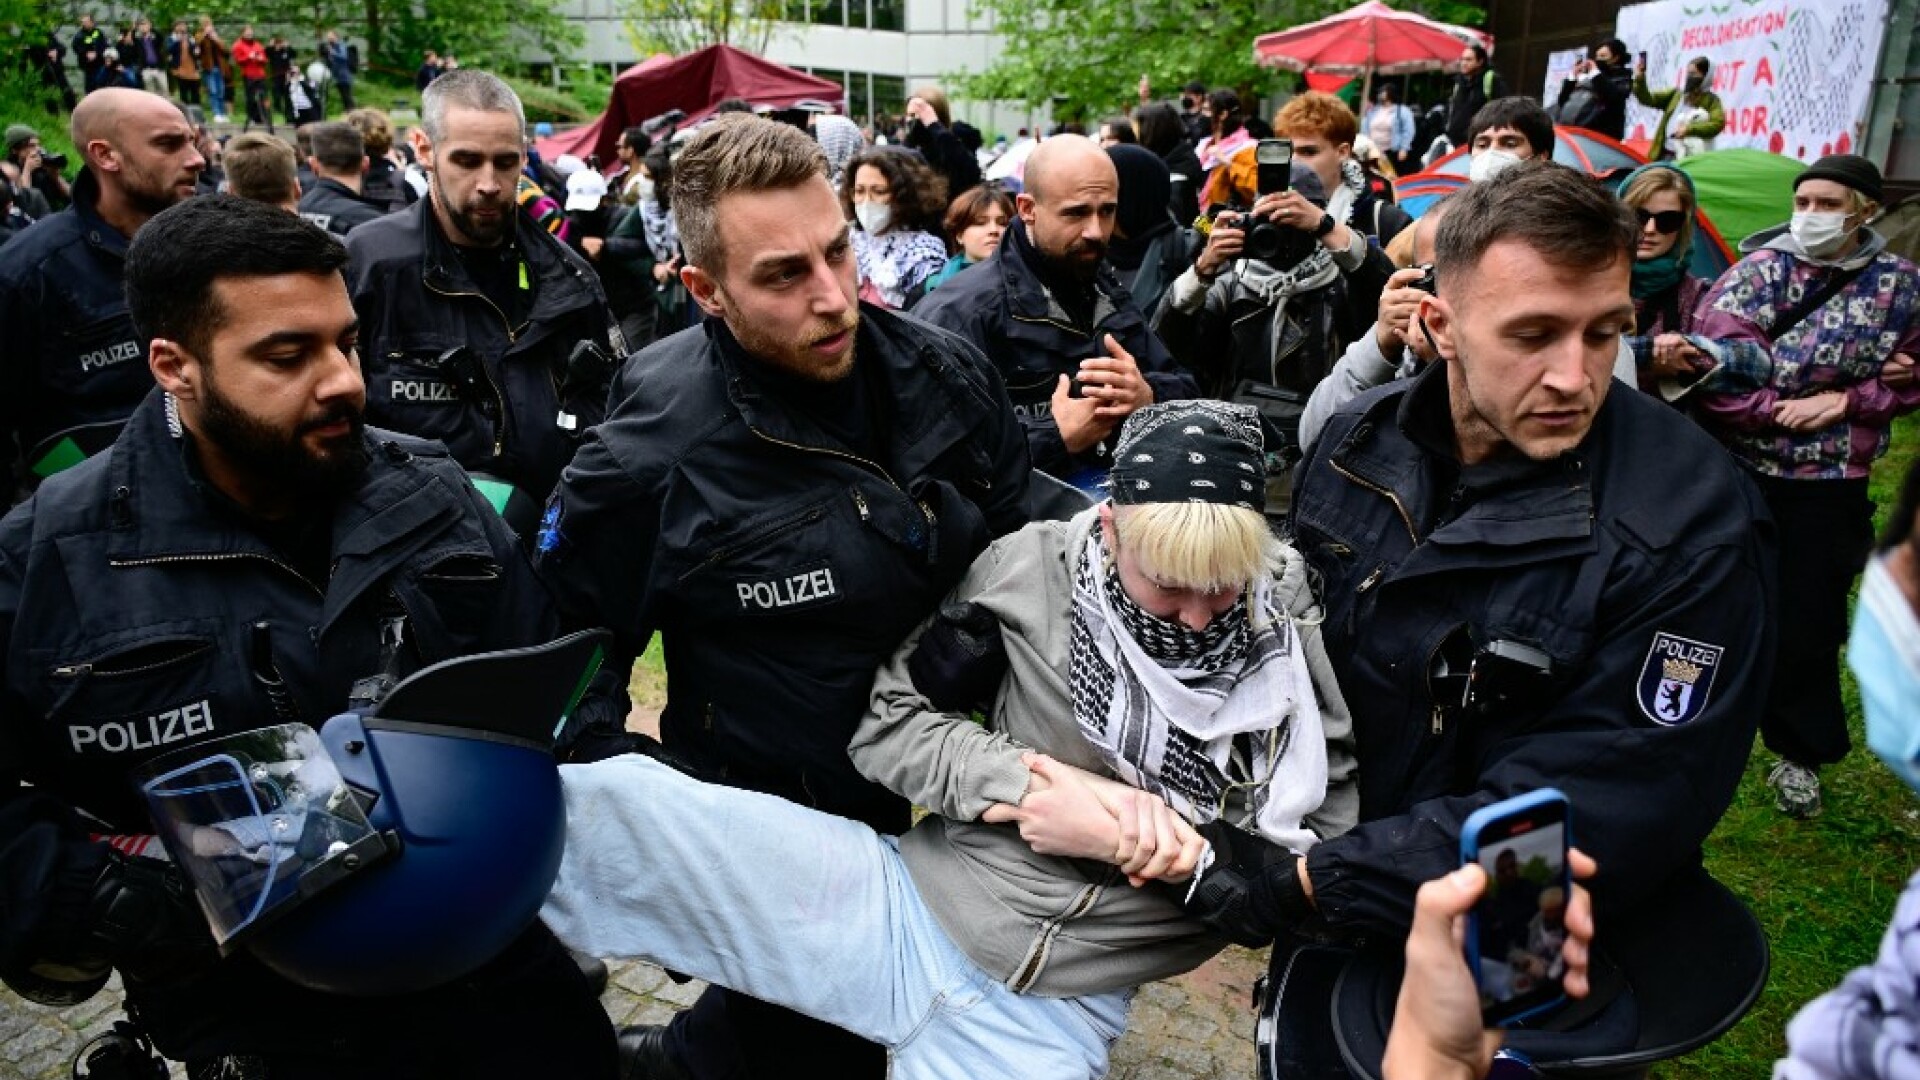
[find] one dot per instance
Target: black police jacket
(416, 302)
(1639, 562)
(1002, 307)
(73, 367)
(336, 207)
(780, 567)
(138, 614)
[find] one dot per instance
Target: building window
(889, 94)
(889, 14)
(857, 14)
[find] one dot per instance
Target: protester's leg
(981, 1028)
(749, 891)
(1825, 528)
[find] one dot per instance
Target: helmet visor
(259, 821)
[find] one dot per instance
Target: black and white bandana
(1191, 451)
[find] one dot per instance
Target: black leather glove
(1251, 889)
(143, 918)
(959, 662)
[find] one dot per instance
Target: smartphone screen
(1518, 927)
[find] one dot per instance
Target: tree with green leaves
(483, 33)
(1084, 58)
(678, 27)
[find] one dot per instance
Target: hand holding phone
(1518, 929)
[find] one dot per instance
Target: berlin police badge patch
(1677, 678)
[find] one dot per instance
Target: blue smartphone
(1515, 932)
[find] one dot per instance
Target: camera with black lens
(1426, 282)
(51, 160)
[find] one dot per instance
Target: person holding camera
(1270, 302)
(1522, 590)
(1691, 114)
(1594, 95)
(1396, 347)
(34, 174)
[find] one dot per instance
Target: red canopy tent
(1366, 40)
(694, 84)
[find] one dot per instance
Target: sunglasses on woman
(1666, 222)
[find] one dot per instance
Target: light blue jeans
(215, 84)
(803, 909)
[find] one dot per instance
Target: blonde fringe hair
(1196, 545)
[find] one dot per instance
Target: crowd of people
(1199, 543)
(247, 76)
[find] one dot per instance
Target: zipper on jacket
(873, 467)
(162, 560)
(725, 553)
(1036, 955)
(500, 399)
(1405, 518)
(85, 667)
(1076, 331)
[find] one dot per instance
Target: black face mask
(1695, 82)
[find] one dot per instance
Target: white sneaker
(1796, 789)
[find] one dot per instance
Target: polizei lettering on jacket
(426, 391)
(139, 732)
(805, 587)
(117, 353)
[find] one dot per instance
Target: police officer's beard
(472, 229)
(281, 459)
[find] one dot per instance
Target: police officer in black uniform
(782, 492)
(339, 164)
(1049, 311)
(243, 554)
(68, 354)
(472, 318)
(1533, 576)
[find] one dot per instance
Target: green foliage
(24, 101)
(1824, 889)
(1085, 57)
(544, 102)
(678, 27)
(483, 33)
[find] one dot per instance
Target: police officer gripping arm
(1522, 590)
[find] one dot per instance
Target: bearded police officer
(68, 353)
(783, 493)
(243, 554)
(1530, 580)
(474, 318)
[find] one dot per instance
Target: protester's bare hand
(1289, 208)
(1674, 355)
(1224, 245)
(921, 111)
(1078, 418)
(1811, 413)
(1898, 371)
(1399, 302)
(1060, 814)
(592, 245)
(31, 163)
(1114, 382)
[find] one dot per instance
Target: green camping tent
(1743, 190)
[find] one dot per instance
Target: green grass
(1824, 889)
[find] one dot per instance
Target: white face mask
(646, 189)
(1487, 164)
(874, 217)
(1820, 235)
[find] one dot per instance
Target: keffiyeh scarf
(896, 261)
(1199, 718)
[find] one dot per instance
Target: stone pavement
(1197, 1027)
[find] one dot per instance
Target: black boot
(644, 1054)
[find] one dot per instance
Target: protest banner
(1795, 76)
